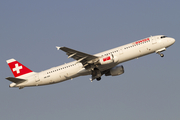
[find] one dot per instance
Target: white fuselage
(123, 53)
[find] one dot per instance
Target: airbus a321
(104, 63)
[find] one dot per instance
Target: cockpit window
(163, 36)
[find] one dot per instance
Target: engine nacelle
(117, 70)
(107, 60)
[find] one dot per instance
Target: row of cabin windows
(136, 44)
(110, 53)
(61, 68)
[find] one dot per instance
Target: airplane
(104, 63)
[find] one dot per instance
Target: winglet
(58, 48)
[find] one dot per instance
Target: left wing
(84, 58)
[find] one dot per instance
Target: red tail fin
(17, 68)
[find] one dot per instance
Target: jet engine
(117, 70)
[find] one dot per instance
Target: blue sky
(149, 88)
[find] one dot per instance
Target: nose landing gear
(161, 54)
(161, 50)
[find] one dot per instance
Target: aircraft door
(143, 50)
(64, 76)
(120, 51)
(154, 40)
(37, 78)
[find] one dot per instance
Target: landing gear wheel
(162, 55)
(98, 79)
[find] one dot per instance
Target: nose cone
(171, 41)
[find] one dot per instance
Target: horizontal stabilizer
(15, 80)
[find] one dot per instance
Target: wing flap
(15, 80)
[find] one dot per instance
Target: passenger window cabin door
(154, 40)
(64, 75)
(37, 78)
(120, 51)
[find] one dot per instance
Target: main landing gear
(98, 79)
(161, 54)
(96, 74)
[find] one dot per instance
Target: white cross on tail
(17, 68)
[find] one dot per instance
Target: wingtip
(58, 48)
